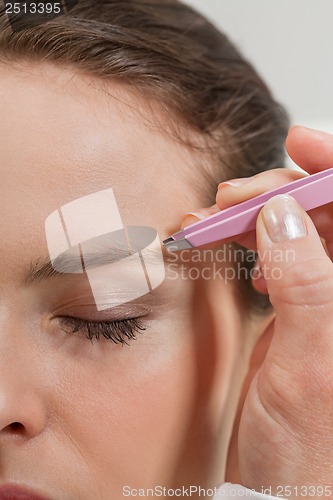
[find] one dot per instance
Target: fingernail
(195, 214)
(191, 218)
(201, 213)
(283, 219)
(235, 182)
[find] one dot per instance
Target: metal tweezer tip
(172, 245)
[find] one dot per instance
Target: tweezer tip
(168, 240)
(172, 245)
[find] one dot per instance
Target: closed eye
(118, 331)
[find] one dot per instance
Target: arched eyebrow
(42, 268)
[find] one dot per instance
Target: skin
(82, 420)
(282, 434)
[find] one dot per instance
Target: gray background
(290, 42)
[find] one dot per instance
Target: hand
(285, 434)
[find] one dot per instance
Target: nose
(22, 412)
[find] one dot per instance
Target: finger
(258, 279)
(299, 278)
(238, 190)
(248, 240)
(200, 213)
(322, 218)
(311, 149)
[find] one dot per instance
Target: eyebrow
(43, 269)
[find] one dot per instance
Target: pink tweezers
(310, 192)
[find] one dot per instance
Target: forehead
(64, 137)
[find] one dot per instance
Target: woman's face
(82, 419)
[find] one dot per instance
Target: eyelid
(118, 331)
(88, 312)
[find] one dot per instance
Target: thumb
(287, 415)
(297, 270)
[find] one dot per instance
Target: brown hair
(171, 52)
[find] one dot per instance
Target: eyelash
(118, 331)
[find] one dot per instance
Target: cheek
(129, 411)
